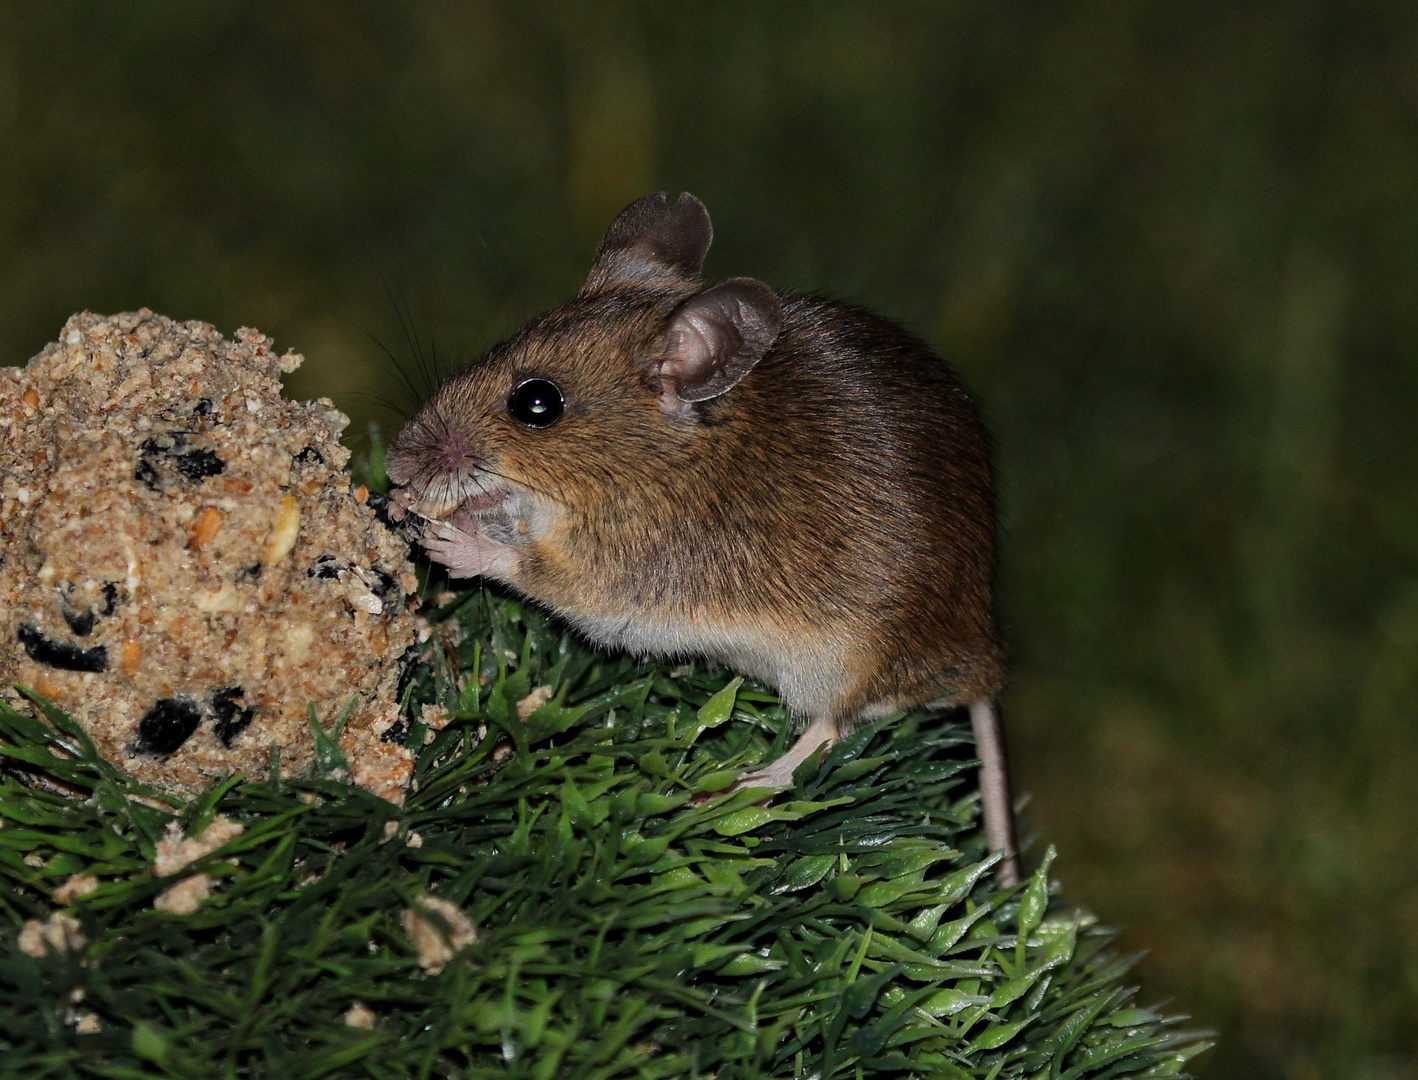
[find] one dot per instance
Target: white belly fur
(811, 677)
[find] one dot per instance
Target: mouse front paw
(468, 555)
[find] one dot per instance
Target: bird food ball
(184, 565)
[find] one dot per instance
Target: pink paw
(467, 555)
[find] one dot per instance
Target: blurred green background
(1172, 247)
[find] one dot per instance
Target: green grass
(626, 928)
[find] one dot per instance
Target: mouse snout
(420, 457)
(433, 471)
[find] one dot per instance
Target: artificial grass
(627, 926)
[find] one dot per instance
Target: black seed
(81, 622)
(388, 589)
(147, 473)
(199, 464)
(170, 451)
(398, 732)
(163, 446)
(231, 713)
(326, 566)
(309, 456)
(167, 725)
(60, 654)
(407, 530)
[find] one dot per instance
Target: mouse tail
(995, 801)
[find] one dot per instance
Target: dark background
(1171, 246)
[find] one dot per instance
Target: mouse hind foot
(777, 775)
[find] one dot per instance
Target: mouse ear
(714, 340)
(653, 243)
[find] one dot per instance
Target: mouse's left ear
(653, 242)
(713, 340)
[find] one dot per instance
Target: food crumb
(205, 528)
(533, 701)
(434, 717)
(87, 1023)
(185, 898)
(437, 929)
(285, 528)
(359, 1015)
(57, 932)
(78, 885)
(176, 849)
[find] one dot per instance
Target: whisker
(370, 396)
(437, 362)
(416, 393)
(427, 365)
(391, 363)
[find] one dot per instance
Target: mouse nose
(453, 455)
(427, 456)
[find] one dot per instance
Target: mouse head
(602, 392)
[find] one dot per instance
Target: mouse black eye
(536, 403)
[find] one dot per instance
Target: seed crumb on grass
(87, 1023)
(438, 930)
(533, 701)
(59, 932)
(77, 886)
(176, 849)
(359, 1015)
(186, 897)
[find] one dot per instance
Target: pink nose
(453, 453)
(420, 455)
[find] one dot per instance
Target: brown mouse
(788, 485)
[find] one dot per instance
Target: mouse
(785, 484)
